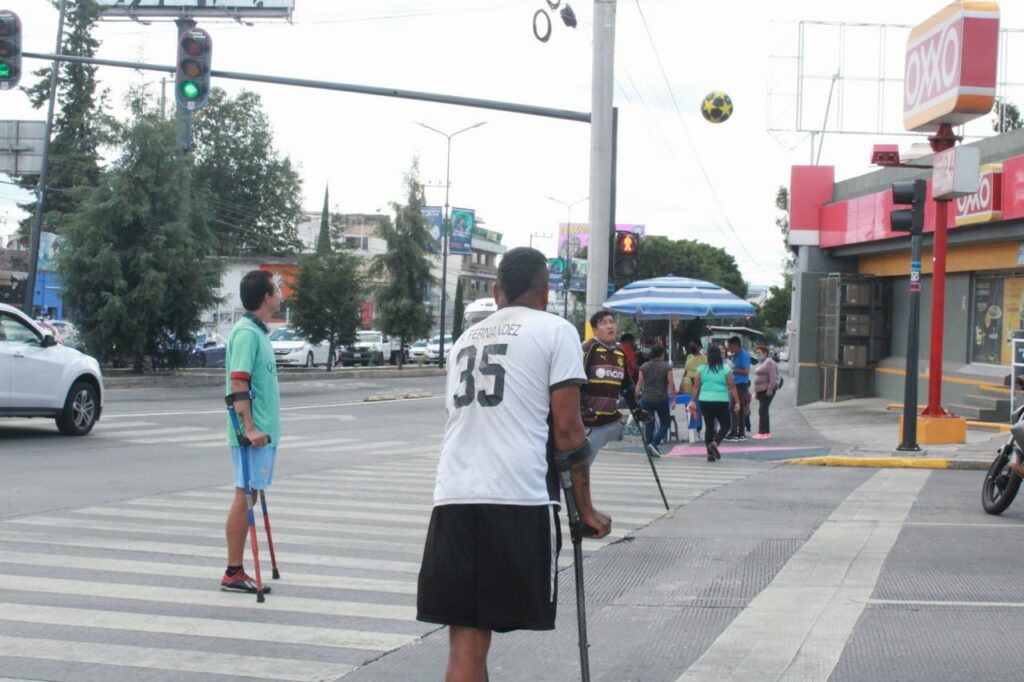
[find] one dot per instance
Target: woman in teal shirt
(712, 387)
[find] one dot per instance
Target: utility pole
(37, 219)
(601, 137)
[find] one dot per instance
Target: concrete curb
(192, 379)
(892, 462)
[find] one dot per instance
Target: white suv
(41, 378)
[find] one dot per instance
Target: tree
(327, 299)
(80, 126)
(660, 256)
(776, 310)
(458, 313)
(134, 275)
(323, 239)
(1007, 116)
(404, 268)
(256, 195)
(782, 222)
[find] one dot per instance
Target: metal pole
(567, 270)
(601, 129)
(943, 139)
(909, 441)
(37, 219)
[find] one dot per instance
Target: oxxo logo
(932, 67)
(985, 204)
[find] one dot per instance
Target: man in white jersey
(491, 557)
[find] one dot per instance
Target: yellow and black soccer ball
(716, 107)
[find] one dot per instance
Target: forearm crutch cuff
(565, 460)
(231, 398)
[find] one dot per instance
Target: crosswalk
(127, 590)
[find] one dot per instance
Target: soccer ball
(716, 107)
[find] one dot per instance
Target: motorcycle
(1001, 483)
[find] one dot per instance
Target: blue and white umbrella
(662, 298)
(676, 298)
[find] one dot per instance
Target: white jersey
(500, 375)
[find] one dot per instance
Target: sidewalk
(850, 433)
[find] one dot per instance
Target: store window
(998, 306)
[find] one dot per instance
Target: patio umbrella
(676, 298)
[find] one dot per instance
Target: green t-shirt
(250, 356)
(713, 385)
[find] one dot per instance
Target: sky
(678, 175)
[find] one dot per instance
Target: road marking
(102, 426)
(317, 417)
(995, 525)
(291, 408)
(175, 430)
(797, 627)
(248, 629)
(955, 604)
(212, 597)
(175, 439)
(189, 661)
(371, 446)
(150, 568)
(180, 549)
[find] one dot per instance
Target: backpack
(780, 381)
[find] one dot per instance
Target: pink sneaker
(762, 436)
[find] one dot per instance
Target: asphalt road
(111, 546)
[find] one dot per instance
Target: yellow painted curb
(379, 398)
(874, 462)
(989, 425)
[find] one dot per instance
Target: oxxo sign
(986, 204)
(950, 69)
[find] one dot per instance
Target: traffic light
(10, 49)
(627, 255)
(192, 76)
(914, 193)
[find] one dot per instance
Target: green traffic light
(5, 71)
(190, 90)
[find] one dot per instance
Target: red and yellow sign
(985, 205)
(950, 69)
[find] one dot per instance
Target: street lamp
(446, 229)
(566, 268)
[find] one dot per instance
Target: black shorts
(490, 566)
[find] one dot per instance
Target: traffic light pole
(909, 442)
(37, 218)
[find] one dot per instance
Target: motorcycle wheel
(1001, 484)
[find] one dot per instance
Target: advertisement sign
(435, 219)
(955, 172)
(986, 342)
(986, 204)
(578, 235)
(556, 274)
(460, 243)
(578, 275)
(949, 71)
(285, 275)
(197, 8)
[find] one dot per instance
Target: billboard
(259, 9)
(435, 219)
(949, 73)
(578, 235)
(460, 243)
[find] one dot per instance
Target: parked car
(42, 378)
(416, 351)
(210, 350)
(434, 348)
(371, 347)
(69, 335)
(292, 349)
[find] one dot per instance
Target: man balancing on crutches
(253, 396)
(490, 562)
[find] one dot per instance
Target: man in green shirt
(251, 366)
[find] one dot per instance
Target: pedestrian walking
(694, 358)
(656, 391)
(607, 381)
(252, 378)
(490, 561)
(741, 377)
(628, 345)
(766, 379)
(712, 388)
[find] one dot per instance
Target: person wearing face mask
(766, 378)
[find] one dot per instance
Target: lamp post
(446, 229)
(566, 269)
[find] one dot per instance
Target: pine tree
(458, 313)
(323, 240)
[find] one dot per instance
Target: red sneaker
(240, 582)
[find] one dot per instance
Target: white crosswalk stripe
(348, 541)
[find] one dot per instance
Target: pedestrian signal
(627, 255)
(10, 49)
(192, 74)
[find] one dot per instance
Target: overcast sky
(678, 175)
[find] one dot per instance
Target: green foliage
(80, 125)
(782, 222)
(327, 298)
(404, 268)
(134, 274)
(1007, 116)
(458, 313)
(256, 195)
(775, 311)
(323, 239)
(661, 256)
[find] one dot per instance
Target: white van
(478, 310)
